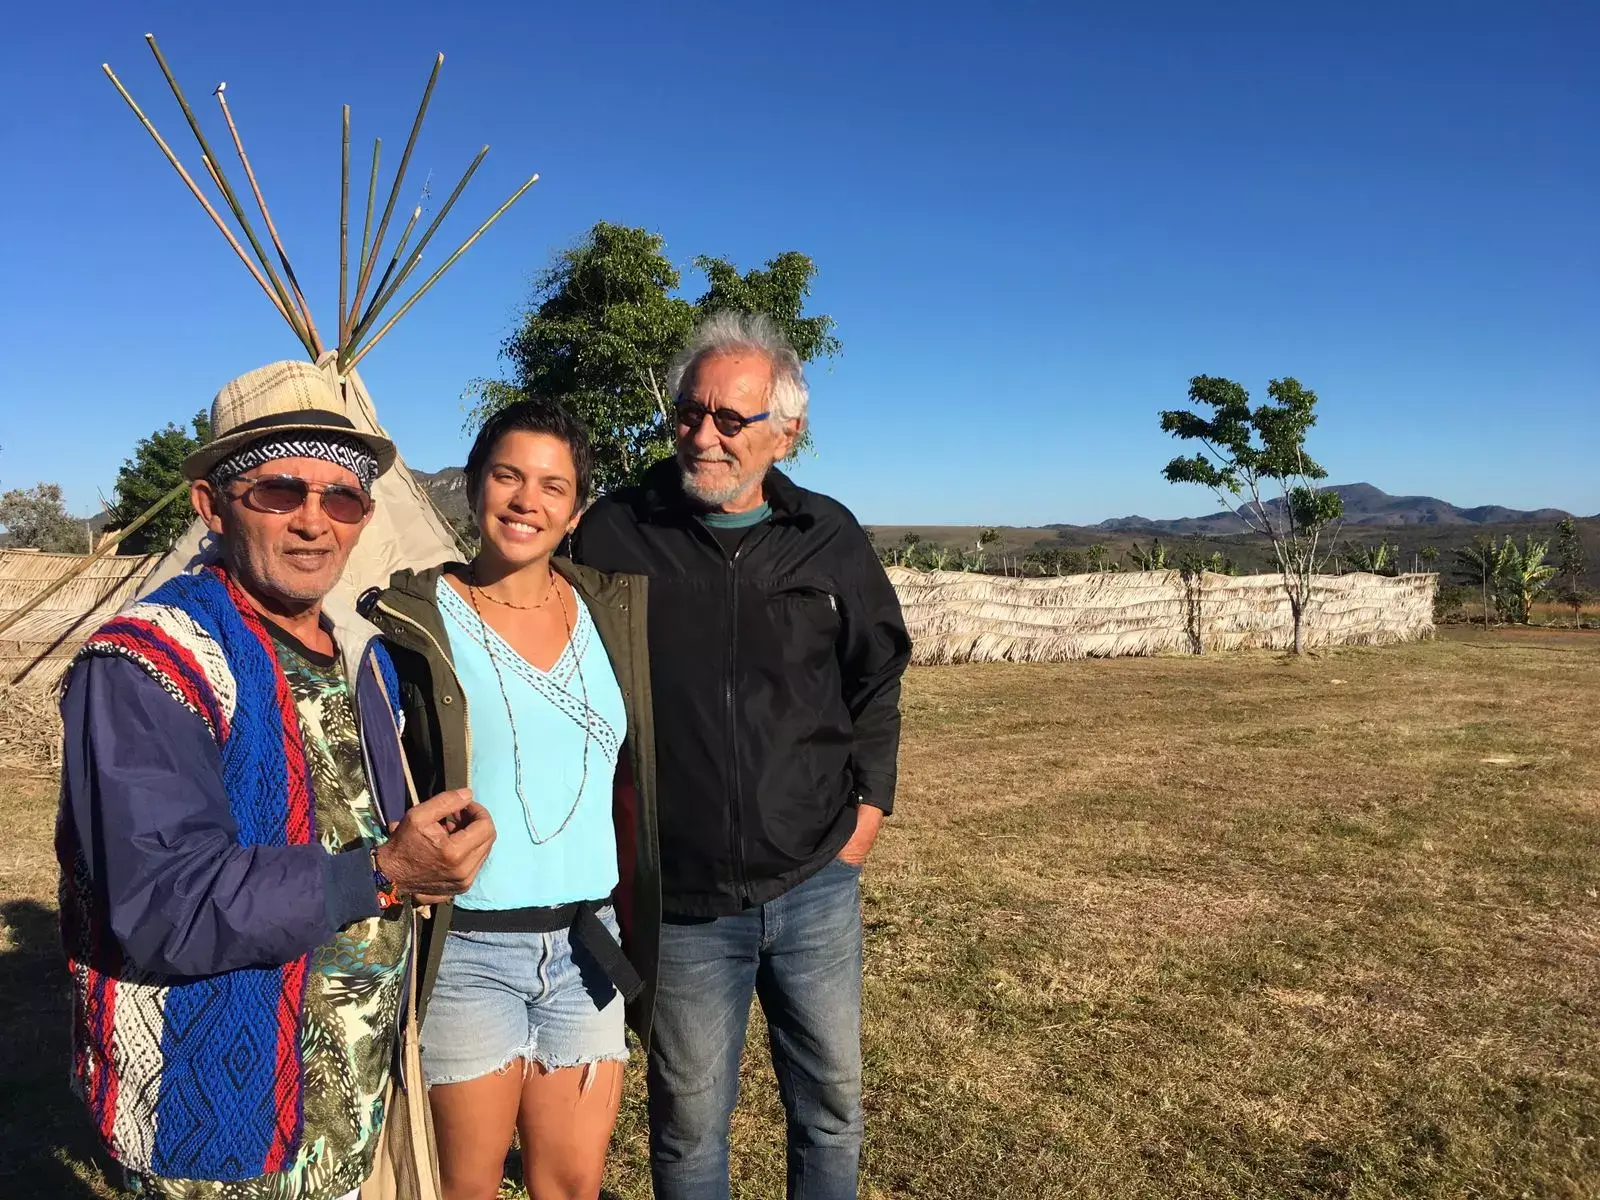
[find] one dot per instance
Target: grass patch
(1234, 926)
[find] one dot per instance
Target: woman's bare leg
(473, 1122)
(565, 1121)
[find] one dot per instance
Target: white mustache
(711, 458)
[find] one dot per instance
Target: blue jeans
(801, 954)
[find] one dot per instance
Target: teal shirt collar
(740, 520)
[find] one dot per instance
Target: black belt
(580, 919)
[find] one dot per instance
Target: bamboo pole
(383, 296)
(239, 214)
(344, 222)
(272, 229)
(434, 278)
(394, 262)
(394, 192)
(198, 194)
(110, 545)
(366, 226)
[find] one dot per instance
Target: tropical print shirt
(354, 984)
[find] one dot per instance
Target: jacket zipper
(741, 884)
(736, 817)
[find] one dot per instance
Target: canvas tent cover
(405, 531)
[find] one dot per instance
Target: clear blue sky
(1033, 223)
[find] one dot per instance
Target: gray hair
(730, 332)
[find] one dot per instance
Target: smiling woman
(526, 675)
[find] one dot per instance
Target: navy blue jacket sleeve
(142, 784)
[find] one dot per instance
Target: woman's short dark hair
(533, 416)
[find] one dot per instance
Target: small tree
(1523, 575)
(1100, 559)
(1250, 453)
(908, 548)
(154, 470)
(37, 518)
(1429, 556)
(1375, 560)
(1192, 570)
(1152, 559)
(1569, 568)
(980, 556)
(1481, 565)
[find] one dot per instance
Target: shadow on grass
(42, 1124)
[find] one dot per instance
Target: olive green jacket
(438, 741)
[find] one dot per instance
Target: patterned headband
(335, 448)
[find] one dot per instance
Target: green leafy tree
(979, 558)
(780, 291)
(1248, 453)
(1375, 560)
(154, 470)
(1429, 555)
(1523, 575)
(1569, 568)
(37, 518)
(905, 554)
(1040, 562)
(1098, 558)
(1152, 559)
(604, 322)
(1481, 565)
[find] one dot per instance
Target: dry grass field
(1238, 926)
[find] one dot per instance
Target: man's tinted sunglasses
(285, 493)
(728, 422)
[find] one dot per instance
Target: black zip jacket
(776, 684)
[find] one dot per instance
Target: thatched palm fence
(953, 617)
(37, 648)
(956, 617)
(35, 651)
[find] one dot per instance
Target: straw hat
(279, 400)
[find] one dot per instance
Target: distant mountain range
(1363, 505)
(448, 489)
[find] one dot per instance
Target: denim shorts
(534, 996)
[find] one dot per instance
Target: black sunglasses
(729, 423)
(284, 493)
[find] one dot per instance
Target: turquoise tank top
(531, 864)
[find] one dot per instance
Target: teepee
(406, 530)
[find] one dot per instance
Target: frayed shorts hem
(530, 1057)
(501, 997)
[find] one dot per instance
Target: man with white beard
(776, 651)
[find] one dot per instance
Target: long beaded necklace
(516, 747)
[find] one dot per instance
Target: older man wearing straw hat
(235, 843)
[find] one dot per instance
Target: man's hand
(435, 851)
(868, 821)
